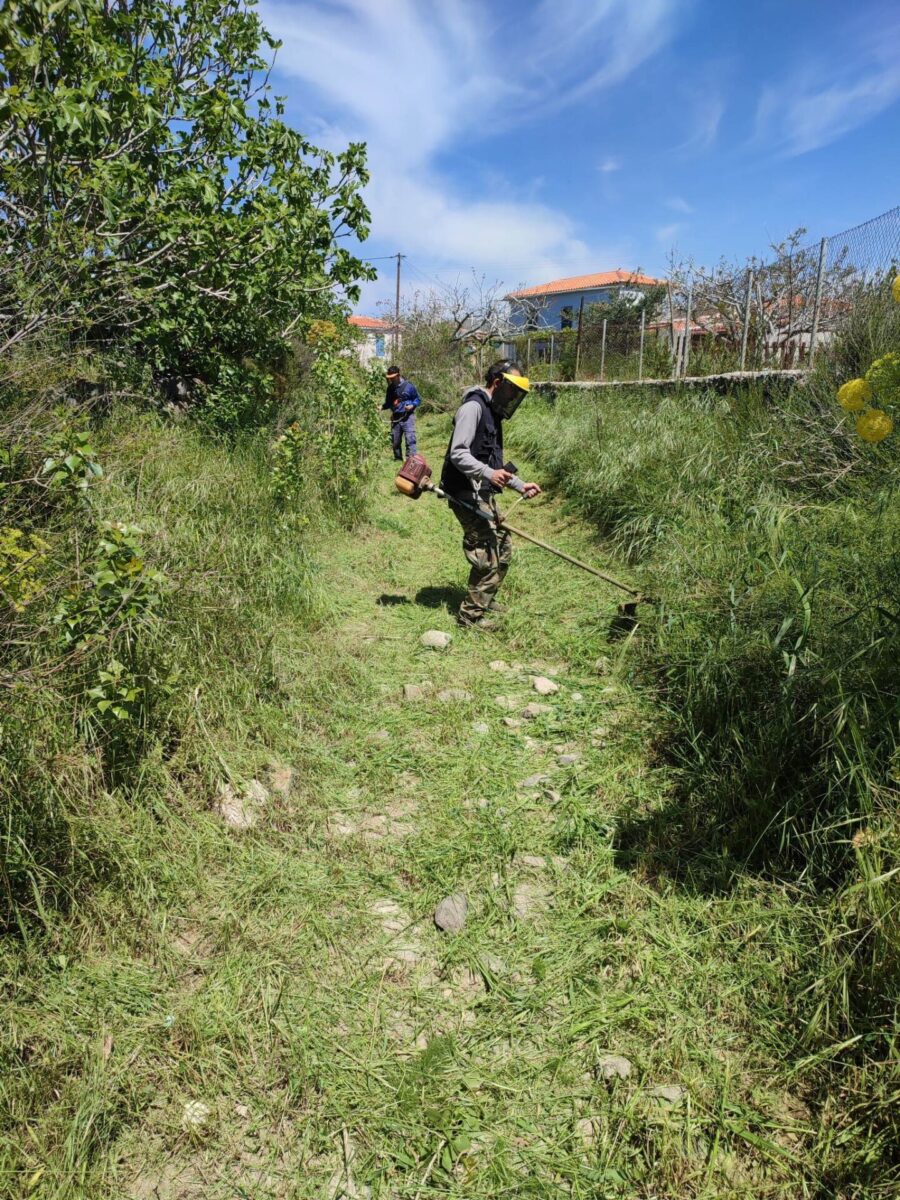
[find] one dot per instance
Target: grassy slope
(259, 972)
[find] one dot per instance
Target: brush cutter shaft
(488, 516)
(567, 558)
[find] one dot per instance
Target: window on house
(566, 316)
(379, 345)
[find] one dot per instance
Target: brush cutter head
(413, 477)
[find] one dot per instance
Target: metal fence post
(527, 352)
(641, 350)
(552, 339)
(746, 333)
(603, 351)
(817, 304)
(687, 332)
(578, 337)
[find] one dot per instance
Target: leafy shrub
(324, 454)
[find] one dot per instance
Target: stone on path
(669, 1093)
(527, 900)
(586, 1130)
(450, 694)
(381, 735)
(481, 727)
(512, 722)
(533, 781)
(504, 702)
(531, 860)
(568, 760)
(533, 710)
(241, 811)
(195, 1114)
(498, 665)
(577, 697)
(544, 686)
(435, 639)
(412, 692)
(282, 779)
(450, 914)
(613, 1066)
(391, 915)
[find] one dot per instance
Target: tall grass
(771, 539)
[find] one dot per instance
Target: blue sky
(531, 140)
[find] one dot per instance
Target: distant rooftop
(369, 323)
(584, 283)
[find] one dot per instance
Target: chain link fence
(764, 315)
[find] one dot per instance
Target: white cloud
(416, 80)
(610, 164)
(666, 234)
(706, 117)
(822, 102)
(679, 204)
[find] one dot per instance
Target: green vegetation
(235, 784)
(769, 536)
(223, 1011)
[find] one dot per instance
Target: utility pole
(399, 258)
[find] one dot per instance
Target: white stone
(448, 695)
(195, 1114)
(544, 686)
(238, 812)
(435, 639)
(533, 710)
(412, 691)
(498, 665)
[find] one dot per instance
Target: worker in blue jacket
(401, 400)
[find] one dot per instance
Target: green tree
(150, 190)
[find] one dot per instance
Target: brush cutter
(415, 478)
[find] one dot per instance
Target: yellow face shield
(508, 394)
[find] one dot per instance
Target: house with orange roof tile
(555, 305)
(376, 339)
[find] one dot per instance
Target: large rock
(544, 686)
(435, 639)
(450, 914)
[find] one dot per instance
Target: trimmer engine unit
(413, 476)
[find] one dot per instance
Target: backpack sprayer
(415, 478)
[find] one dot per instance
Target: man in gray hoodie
(474, 475)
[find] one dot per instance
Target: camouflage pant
(490, 553)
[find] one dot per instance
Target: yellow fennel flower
(874, 425)
(884, 376)
(854, 395)
(895, 288)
